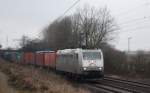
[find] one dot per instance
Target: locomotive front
(92, 64)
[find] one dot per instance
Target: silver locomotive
(81, 62)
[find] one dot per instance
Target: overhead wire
(67, 10)
(131, 28)
(130, 22)
(135, 20)
(76, 2)
(134, 29)
(130, 10)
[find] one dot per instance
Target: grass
(37, 80)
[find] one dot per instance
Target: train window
(91, 55)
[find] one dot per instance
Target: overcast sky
(29, 17)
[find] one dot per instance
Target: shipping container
(40, 58)
(50, 59)
(7, 56)
(46, 59)
(28, 58)
(15, 56)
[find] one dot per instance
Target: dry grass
(37, 80)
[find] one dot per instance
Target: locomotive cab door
(75, 63)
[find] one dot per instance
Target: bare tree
(28, 44)
(94, 26)
(88, 27)
(58, 34)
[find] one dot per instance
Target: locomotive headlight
(84, 68)
(100, 68)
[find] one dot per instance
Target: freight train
(76, 63)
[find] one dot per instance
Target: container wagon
(28, 58)
(46, 59)
(15, 56)
(50, 59)
(39, 58)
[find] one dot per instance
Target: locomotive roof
(72, 51)
(44, 51)
(67, 51)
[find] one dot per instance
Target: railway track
(115, 85)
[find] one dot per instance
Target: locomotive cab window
(91, 55)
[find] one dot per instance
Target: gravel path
(4, 87)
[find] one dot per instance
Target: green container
(18, 56)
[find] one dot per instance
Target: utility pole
(18, 40)
(7, 40)
(129, 38)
